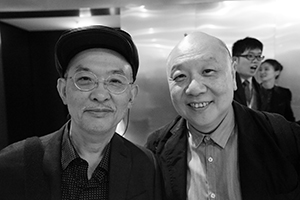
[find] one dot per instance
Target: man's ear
(233, 74)
(61, 88)
(235, 60)
(277, 73)
(133, 93)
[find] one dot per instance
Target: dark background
(31, 104)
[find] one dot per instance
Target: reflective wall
(157, 29)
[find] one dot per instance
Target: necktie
(247, 91)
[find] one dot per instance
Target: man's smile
(200, 104)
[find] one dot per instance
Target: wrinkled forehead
(198, 45)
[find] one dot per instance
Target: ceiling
(40, 15)
(61, 20)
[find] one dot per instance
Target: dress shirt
(213, 171)
(75, 183)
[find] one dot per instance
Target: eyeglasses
(252, 56)
(87, 81)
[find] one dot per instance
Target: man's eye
(208, 71)
(84, 80)
(115, 81)
(179, 78)
(251, 56)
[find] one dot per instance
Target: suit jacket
(268, 162)
(280, 102)
(32, 170)
(239, 94)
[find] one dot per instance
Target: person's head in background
(201, 80)
(247, 54)
(269, 71)
(98, 66)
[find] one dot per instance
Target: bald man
(217, 148)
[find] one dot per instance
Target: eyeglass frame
(257, 57)
(96, 84)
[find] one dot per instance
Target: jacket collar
(52, 161)
(119, 168)
(173, 153)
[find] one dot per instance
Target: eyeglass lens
(252, 57)
(87, 81)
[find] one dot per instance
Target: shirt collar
(69, 153)
(220, 136)
(249, 79)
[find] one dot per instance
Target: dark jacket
(280, 102)
(239, 94)
(268, 160)
(31, 169)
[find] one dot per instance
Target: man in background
(247, 55)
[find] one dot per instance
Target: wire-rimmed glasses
(87, 81)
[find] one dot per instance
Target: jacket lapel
(52, 163)
(119, 169)
(264, 170)
(257, 89)
(250, 154)
(239, 94)
(176, 166)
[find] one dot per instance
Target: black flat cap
(76, 40)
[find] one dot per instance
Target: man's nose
(100, 93)
(196, 87)
(256, 59)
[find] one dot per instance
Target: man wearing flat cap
(86, 158)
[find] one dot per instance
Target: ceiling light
(85, 12)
